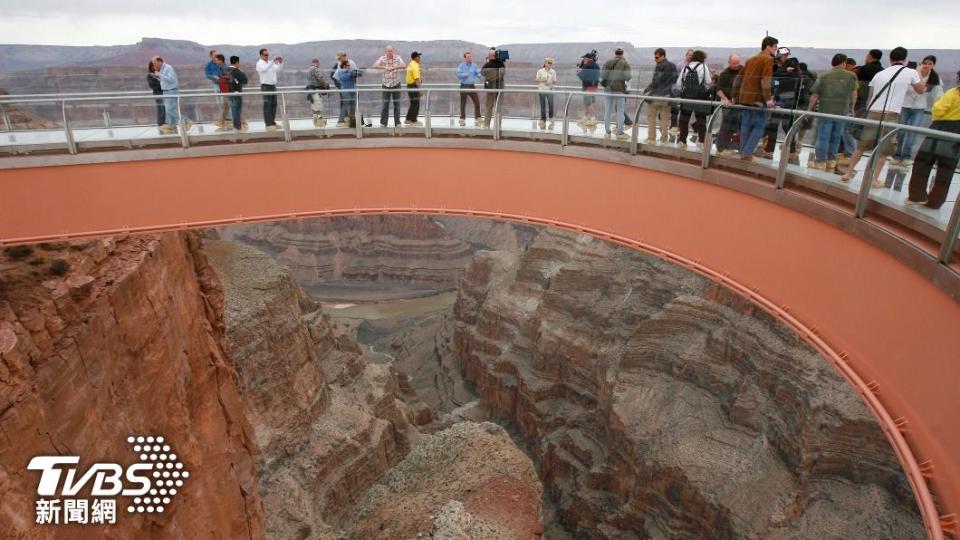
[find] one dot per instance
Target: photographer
(494, 76)
(341, 57)
(347, 75)
(589, 74)
(268, 71)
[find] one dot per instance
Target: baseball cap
(619, 50)
(783, 51)
(415, 54)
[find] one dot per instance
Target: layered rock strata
(328, 424)
(123, 338)
(658, 404)
(410, 251)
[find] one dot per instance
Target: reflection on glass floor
(894, 194)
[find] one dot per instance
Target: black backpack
(692, 85)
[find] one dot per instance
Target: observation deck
(870, 283)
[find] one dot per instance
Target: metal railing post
(71, 144)
(287, 135)
(426, 120)
(496, 116)
(184, 140)
(953, 230)
(785, 152)
(864, 197)
(356, 113)
(106, 119)
(635, 132)
(565, 130)
(708, 136)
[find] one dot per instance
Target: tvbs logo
(150, 483)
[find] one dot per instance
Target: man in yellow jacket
(946, 117)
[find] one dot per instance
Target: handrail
(785, 152)
(947, 136)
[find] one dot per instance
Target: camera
(592, 55)
(503, 55)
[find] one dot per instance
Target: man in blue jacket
(589, 74)
(213, 71)
(468, 73)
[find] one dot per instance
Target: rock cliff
(118, 338)
(381, 253)
(658, 404)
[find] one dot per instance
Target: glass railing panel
(31, 123)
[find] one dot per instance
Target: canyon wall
(124, 338)
(658, 404)
(392, 252)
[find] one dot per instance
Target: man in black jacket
(236, 79)
(730, 124)
(664, 78)
(494, 76)
(786, 95)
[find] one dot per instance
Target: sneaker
(911, 202)
(463, 122)
(766, 155)
(819, 165)
(273, 127)
(830, 165)
(906, 163)
(342, 124)
(167, 130)
(623, 136)
(747, 159)
(542, 124)
(219, 124)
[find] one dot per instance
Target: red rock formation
(414, 252)
(129, 342)
(659, 405)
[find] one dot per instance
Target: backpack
(692, 86)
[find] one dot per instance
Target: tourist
(154, 84)
(848, 143)
(836, 93)
(664, 78)
(468, 73)
(268, 71)
(589, 74)
(614, 78)
(341, 56)
(413, 83)
(865, 73)
(223, 88)
(786, 95)
(675, 92)
(392, 66)
(753, 89)
(316, 82)
(946, 117)
(546, 79)
(494, 78)
(888, 89)
(167, 76)
(213, 71)
(694, 81)
(730, 121)
(236, 78)
(915, 107)
(347, 75)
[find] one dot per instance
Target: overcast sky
(814, 23)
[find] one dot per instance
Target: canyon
(402, 377)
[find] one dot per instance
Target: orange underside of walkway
(892, 325)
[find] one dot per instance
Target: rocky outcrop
(122, 338)
(467, 481)
(658, 404)
(382, 253)
(328, 424)
(489, 234)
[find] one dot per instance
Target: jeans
(236, 109)
(414, 110)
(546, 101)
(161, 111)
(609, 104)
(390, 93)
(753, 122)
(269, 105)
(348, 107)
(463, 102)
(216, 90)
(829, 135)
(909, 117)
(729, 125)
(170, 104)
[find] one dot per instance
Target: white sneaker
(623, 136)
(273, 127)
(463, 122)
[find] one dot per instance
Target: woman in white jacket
(546, 79)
